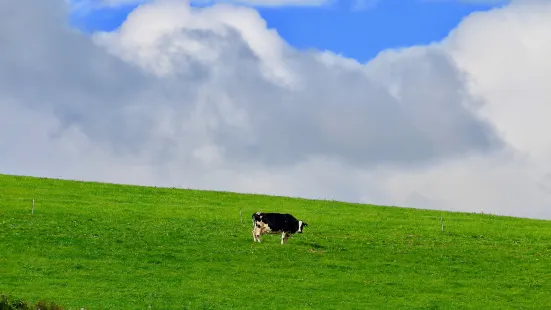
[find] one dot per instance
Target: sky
(443, 109)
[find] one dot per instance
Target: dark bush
(8, 303)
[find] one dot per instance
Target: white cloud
(159, 36)
(211, 98)
(504, 52)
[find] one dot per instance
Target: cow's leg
(259, 232)
(287, 236)
(254, 228)
(254, 231)
(256, 234)
(284, 237)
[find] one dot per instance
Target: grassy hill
(105, 246)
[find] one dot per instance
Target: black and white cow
(276, 223)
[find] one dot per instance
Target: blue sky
(359, 34)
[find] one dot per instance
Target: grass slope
(104, 246)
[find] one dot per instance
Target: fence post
(32, 212)
(241, 216)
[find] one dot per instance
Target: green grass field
(105, 246)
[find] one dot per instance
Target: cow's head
(301, 225)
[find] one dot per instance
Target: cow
(275, 223)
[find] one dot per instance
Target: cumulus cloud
(503, 51)
(211, 98)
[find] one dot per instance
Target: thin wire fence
(241, 211)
